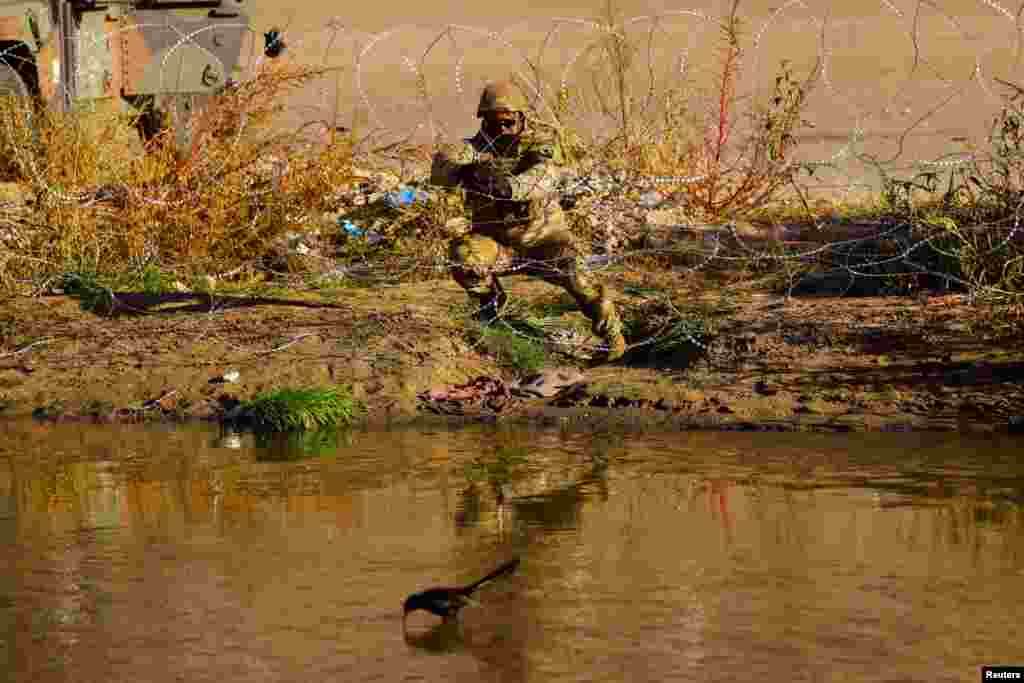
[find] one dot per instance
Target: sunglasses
(504, 123)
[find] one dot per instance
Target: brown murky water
(159, 554)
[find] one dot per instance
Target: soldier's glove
(486, 180)
(528, 160)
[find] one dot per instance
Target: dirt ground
(836, 363)
(857, 362)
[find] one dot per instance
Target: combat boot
(607, 325)
(611, 332)
(491, 307)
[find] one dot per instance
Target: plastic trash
(334, 274)
(354, 230)
(405, 196)
(229, 440)
(650, 200)
(597, 262)
(713, 236)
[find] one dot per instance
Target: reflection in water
(446, 636)
(132, 553)
(528, 497)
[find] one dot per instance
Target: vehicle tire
(155, 116)
(11, 84)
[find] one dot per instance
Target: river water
(185, 554)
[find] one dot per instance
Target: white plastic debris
(650, 200)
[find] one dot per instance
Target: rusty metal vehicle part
(144, 57)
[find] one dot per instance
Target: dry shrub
(987, 227)
(49, 148)
(966, 227)
(408, 240)
(208, 207)
(15, 135)
(735, 181)
(725, 160)
(241, 183)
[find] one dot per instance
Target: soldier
(517, 223)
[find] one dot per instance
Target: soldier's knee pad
(472, 259)
(474, 252)
(600, 309)
(590, 295)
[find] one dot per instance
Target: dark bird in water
(446, 602)
(273, 43)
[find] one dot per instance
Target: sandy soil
(850, 363)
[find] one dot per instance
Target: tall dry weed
(726, 155)
(966, 224)
(734, 177)
(209, 207)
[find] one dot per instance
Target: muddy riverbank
(857, 363)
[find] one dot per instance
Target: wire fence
(661, 115)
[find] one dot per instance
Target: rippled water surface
(142, 554)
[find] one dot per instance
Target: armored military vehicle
(143, 56)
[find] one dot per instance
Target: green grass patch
(673, 328)
(155, 282)
(497, 470)
(98, 408)
(96, 292)
(51, 411)
(300, 445)
(552, 308)
(287, 410)
(681, 334)
(92, 295)
(512, 348)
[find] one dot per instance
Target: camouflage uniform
(526, 233)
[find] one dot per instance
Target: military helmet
(501, 96)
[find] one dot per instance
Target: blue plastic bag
(405, 196)
(351, 228)
(354, 230)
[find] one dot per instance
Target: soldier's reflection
(553, 509)
(717, 497)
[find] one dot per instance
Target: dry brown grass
(209, 207)
(727, 159)
(217, 205)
